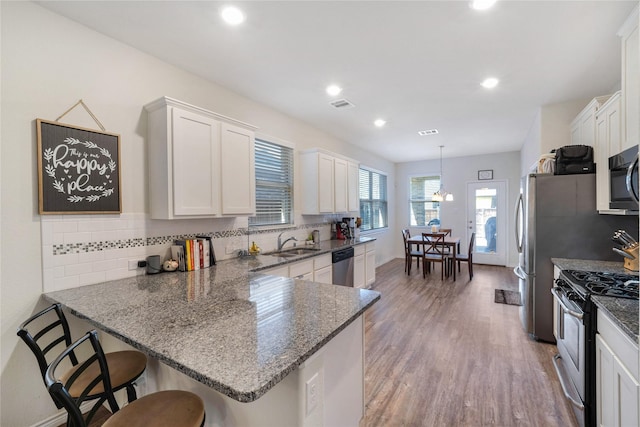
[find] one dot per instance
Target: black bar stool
(173, 408)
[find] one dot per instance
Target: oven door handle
(565, 309)
(576, 402)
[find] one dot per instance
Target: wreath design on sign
(72, 170)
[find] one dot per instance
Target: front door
(487, 217)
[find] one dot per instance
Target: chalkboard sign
(78, 170)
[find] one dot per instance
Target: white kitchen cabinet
(238, 179)
(353, 186)
(301, 270)
(359, 267)
(617, 387)
(630, 81)
(340, 193)
(583, 127)
(370, 264)
(323, 269)
(608, 139)
(200, 163)
(282, 271)
(325, 183)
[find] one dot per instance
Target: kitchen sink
(293, 252)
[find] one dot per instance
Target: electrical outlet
(133, 264)
(312, 393)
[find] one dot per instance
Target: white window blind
(422, 209)
(373, 200)
(274, 184)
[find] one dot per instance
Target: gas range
(576, 329)
(588, 283)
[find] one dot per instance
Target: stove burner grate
(606, 284)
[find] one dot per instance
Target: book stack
(193, 254)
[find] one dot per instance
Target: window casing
(373, 200)
(274, 184)
(422, 209)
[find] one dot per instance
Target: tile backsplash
(80, 250)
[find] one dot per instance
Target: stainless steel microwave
(623, 180)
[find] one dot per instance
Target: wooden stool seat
(124, 366)
(172, 408)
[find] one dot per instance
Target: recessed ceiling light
(232, 15)
(334, 90)
(490, 83)
(482, 4)
(379, 123)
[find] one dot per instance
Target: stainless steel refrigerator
(556, 217)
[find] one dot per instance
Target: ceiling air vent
(427, 132)
(342, 103)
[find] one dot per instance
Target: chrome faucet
(281, 243)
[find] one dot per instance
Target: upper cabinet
(329, 183)
(201, 164)
(608, 130)
(630, 81)
(583, 127)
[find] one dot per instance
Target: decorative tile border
(76, 248)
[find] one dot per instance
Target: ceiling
(416, 64)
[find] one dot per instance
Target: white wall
(49, 63)
(457, 172)
(550, 129)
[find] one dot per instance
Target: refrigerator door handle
(518, 272)
(519, 211)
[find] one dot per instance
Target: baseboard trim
(60, 417)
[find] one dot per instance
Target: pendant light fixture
(441, 195)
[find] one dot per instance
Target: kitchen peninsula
(290, 350)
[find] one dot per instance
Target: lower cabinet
(617, 388)
(370, 263)
(317, 269)
(359, 267)
(323, 269)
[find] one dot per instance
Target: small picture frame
(485, 174)
(78, 170)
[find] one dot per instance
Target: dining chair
(409, 252)
(174, 408)
(435, 251)
(48, 329)
(446, 231)
(468, 257)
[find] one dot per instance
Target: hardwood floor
(443, 353)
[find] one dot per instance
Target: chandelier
(441, 194)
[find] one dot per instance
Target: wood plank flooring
(443, 353)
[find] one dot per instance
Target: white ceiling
(417, 64)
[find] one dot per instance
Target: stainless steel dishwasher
(343, 267)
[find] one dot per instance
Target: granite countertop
(237, 331)
(623, 311)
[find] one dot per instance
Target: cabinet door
(588, 128)
(602, 162)
(340, 185)
(630, 81)
(323, 275)
(195, 148)
(370, 263)
(626, 392)
(353, 187)
(359, 272)
(238, 180)
(325, 183)
(282, 271)
(604, 383)
(301, 270)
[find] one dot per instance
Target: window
(373, 200)
(422, 210)
(274, 184)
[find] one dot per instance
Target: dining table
(449, 241)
